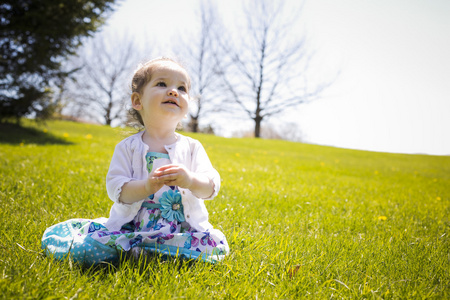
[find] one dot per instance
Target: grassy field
(302, 221)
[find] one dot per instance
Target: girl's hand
(172, 175)
(153, 183)
(199, 184)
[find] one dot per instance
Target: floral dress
(159, 226)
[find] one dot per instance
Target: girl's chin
(174, 114)
(168, 120)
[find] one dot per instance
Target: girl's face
(164, 99)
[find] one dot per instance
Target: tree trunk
(258, 127)
(194, 124)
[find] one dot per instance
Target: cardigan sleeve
(120, 170)
(201, 164)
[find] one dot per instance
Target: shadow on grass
(126, 261)
(16, 134)
(143, 263)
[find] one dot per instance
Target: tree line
(254, 70)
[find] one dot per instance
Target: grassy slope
(300, 220)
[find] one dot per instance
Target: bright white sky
(393, 93)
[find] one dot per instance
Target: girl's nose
(173, 93)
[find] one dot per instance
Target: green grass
(301, 220)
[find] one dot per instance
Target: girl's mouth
(171, 102)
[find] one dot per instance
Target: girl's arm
(123, 184)
(137, 190)
(202, 186)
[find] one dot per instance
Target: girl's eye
(182, 88)
(161, 83)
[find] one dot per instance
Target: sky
(393, 59)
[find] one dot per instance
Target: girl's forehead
(170, 69)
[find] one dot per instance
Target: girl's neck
(156, 139)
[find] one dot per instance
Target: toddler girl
(158, 180)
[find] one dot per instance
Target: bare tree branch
(272, 63)
(101, 86)
(200, 50)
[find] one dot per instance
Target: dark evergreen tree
(35, 36)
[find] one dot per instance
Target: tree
(101, 88)
(200, 55)
(266, 72)
(36, 36)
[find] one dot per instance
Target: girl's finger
(169, 182)
(166, 171)
(166, 167)
(172, 176)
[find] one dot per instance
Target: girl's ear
(136, 102)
